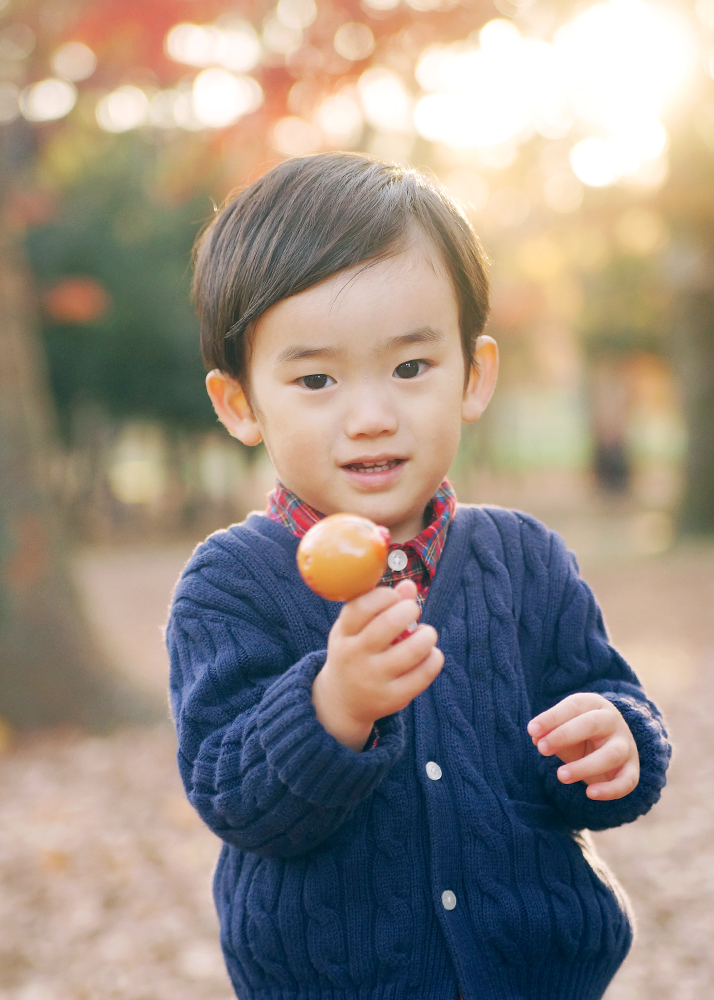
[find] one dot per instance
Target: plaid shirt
(422, 552)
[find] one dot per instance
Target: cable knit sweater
(368, 876)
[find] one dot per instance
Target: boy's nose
(369, 414)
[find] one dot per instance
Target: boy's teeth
(373, 467)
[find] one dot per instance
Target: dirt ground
(106, 870)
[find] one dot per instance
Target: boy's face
(357, 389)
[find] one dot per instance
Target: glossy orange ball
(343, 556)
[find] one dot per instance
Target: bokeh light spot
(48, 100)
(123, 109)
(386, 103)
(279, 37)
(74, 61)
(380, 5)
(237, 47)
(499, 35)
(595, 162)
(221, 98)
(354, 41)
(190, 43)
(297, 14)
(428, 5)
(340, 118)
(233, 46)
(136, 480)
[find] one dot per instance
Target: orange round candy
(343, 556)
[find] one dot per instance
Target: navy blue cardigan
(347, 876)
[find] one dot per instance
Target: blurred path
(106, 869)
(127, 594)
(660, 613)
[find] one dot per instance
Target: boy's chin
(404, 523)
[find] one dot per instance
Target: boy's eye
(315, 381)
(408, 369)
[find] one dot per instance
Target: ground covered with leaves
(106, 870)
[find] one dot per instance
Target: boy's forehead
(407, 296)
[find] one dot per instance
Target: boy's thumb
(406, 590)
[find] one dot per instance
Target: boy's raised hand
(366, 674)
(594, 742)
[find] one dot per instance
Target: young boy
(399, 819)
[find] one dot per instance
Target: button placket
(448, 898)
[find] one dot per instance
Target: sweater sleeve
(579, 658)
(256, 763)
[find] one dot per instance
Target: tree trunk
(695, 318)
(51, 670)
(686, 202)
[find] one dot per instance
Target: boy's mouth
(374, 475)
(383, 465)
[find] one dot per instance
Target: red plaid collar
(298, 517)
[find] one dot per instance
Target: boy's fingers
(592, 725)
(384, 628)
(609, 757)
(357, 613)
(411, 683)
(625, 782)
(404, 656)
(568, 708)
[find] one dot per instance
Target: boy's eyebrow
(423, 335)
(300, 353)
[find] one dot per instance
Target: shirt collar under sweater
(422, 551)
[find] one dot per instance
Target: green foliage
(626, 306)
(141, 359)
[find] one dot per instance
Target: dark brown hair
(309, 218)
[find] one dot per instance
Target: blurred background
(579, 137)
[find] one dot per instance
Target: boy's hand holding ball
(594, 742)
(366, 675)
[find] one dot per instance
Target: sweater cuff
(653, 747)
(308, 759)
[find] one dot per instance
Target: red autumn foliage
(76, 300)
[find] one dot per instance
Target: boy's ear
(232, 409)
(482, 380)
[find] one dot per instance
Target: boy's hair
(309, 218)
